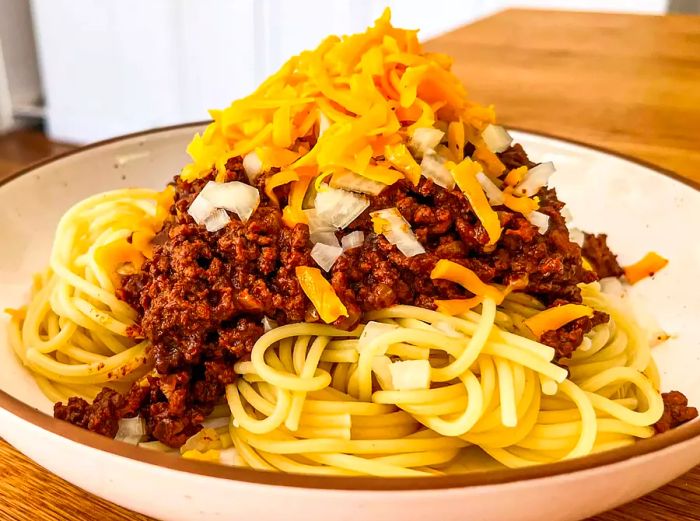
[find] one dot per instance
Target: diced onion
(535, 179)
(434, 169)
(566, 214)
(219, 219)
(325, 237)
(356, 183)
(493, 193)
(230, 457)
(371, 331)
(237, 197)
(216, 423)
(268, 324)
(539, 219)
(613, 287)
(252, 166)
(496, 138)
(317, 223)
(407, 375)
(576, 236)
(201, 209)
(398, 232)
(204, 440)
(325, 255)
(340, 207)
(424, 140)
(352, 240)
(381, 368)
(131, 430)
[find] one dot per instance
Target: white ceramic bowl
(640, 209)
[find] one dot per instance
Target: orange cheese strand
(293, 213)
(448, 270)
(399, 156)
(556, 317)
(515, 176)
(650, 264)
(351, 96)
(116, 254)
(455, 140)
(465, 176)
(492, 165)
(279, 179)
(523, 205)
(457, 306)
(321, 294)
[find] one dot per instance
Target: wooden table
(629, 83)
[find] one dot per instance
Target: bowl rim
(39, 419)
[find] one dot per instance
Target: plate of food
(352, 291)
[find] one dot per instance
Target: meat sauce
(202, 297)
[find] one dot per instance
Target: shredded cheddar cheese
(556, 317)
(321, 294)
(457, 306)
(464, 174)
(650, 264)
(523, 205)
(515, 176)
(352, 104)
(448, 270)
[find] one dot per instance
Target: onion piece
(433, 167)
(407, 375)
(424, 140)
(237, 197)
(268, 324)
(397, 231)
(352, 240)
(216, 423)
(496, 138)
(328, 238)
(535, 179)
(576, 236)
(204, 440)
(230, 457)
(325, 255)
(371, 331)
(201, 209)
(317, 223)
(356, 183)
(613, 287)
(539, 219)
(131, 430)
(340, 207)
(566, 214)
(219, 219)
(493, 193)
(252, 165)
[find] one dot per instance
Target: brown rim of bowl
(76, 434)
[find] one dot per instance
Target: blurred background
(93, 69)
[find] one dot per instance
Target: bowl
(640, 207)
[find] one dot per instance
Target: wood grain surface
(628, 83)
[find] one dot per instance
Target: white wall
(19, 77)
(115, 66)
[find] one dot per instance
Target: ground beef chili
(676, 411)
(202, 297)
(597, 253)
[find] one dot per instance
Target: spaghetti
(74, 334)
(351, 194)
